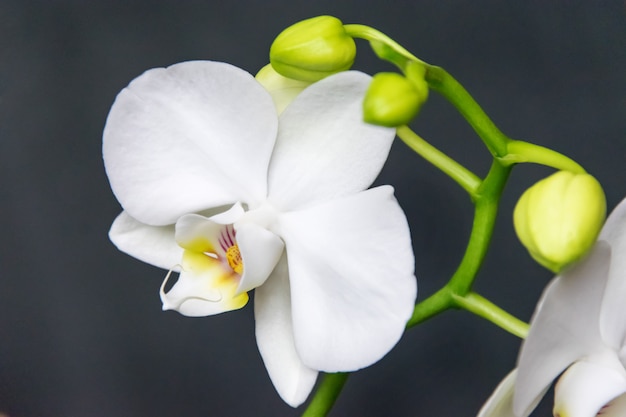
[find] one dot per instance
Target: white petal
(260, 251)
(586, 387)
(189, 137)
(324, 149)
(351, 274)
(205, 287)
(151, 244)
(274, 334)
(613, 315)
(564, 328)
(202, 234)
(615, 408)
(500, 404)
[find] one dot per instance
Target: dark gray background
(81, 331)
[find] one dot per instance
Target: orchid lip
(166, 280)
(228, 243)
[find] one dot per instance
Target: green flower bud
(282, 89)
(313, 49)
(393, 100)
(559, 218)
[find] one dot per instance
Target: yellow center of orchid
(233, 257)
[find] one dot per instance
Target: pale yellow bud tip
(559, 218)
(282, 89)
(313, 49)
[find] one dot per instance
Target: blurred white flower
(579, 327)
(215, 185)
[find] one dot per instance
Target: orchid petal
(260, 251)
(186, 138)
(324, 149)
(351, 275)
(613, 314)
(205, 287)
(615, 408)
(586, 387)
(274, 334)
(151, 244)
(202, 234)
(500, 404)
(564, 327)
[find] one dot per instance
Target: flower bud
(313, 49)
(392, 100)
(558, 219)
(282, 89)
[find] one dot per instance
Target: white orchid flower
(579, 327)
(215, 185)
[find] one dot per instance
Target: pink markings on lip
(227, 237)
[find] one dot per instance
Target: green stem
(520, 151)
(482, 229)
(326, 395)
(465, 178)
(439, 80)
(487, 199)
(371, 34)
(430, 307)
(484, 308)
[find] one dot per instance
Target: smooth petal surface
(274, 334)
(613, 314)
(564, 328)
(586, 387)
(616, 408)
(151, 244)
(205, 287)
(260, 250)
(202, 234)
(189, 137)
(500, 404)
(324, 149)
(351, 275)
